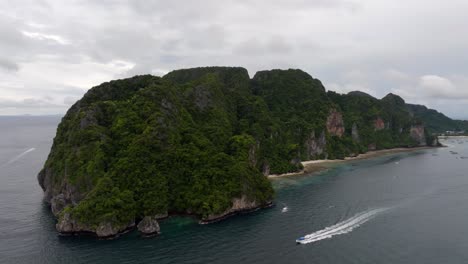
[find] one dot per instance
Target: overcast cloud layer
(52, 51)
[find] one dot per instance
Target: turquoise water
(402, 208)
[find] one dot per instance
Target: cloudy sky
(52, 51)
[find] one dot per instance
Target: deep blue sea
(401, 208)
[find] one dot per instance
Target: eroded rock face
(68, 225)
(149, 226)
(335, 124)
(355, 133)
(57, 204)
(58, 196)
(106, 230)
(379, 124)
(315, 146)
(417, 133)
(238, 205)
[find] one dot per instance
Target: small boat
(300, 240)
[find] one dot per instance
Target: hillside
(436, 121)
(201, 141)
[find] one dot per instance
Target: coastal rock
(149, 226)
(417, 134)
(68, 225)
(44, 177)
(315, 146)
(58, 196)
(106, 229)
(238, 205)
(379, 124)
(335, 124)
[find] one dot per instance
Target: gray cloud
(56, 49)
(8, 65)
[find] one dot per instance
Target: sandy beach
(314, 166)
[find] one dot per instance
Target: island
(202, 142)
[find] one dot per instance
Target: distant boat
(285, 209)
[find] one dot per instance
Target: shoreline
(315, 166)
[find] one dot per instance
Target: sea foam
(343, 227)
(20, 156)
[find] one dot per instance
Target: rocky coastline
(149, 225)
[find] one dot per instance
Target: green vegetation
(436, 122)
(193, 140)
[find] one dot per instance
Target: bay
(401, 208)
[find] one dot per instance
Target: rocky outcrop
(57, 204)
(335, 124)
(68, 225)
(239, 205)
(355, 133)
(418, 135)
(149, 226)
(379, 124)
(58, 196)
(315, 146)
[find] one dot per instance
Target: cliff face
(201, 141)
(379, 124)
(335, 124)
(315, 146)
(417, 134)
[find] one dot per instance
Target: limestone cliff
(335, 124)
(239, 205)
(417, 134)
(315, 145)
(379, 124)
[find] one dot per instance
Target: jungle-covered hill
(201, 141)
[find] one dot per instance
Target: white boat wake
(20, 156)
(341, 227)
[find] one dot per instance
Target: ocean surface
(401, 208)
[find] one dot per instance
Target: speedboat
(300, 240)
